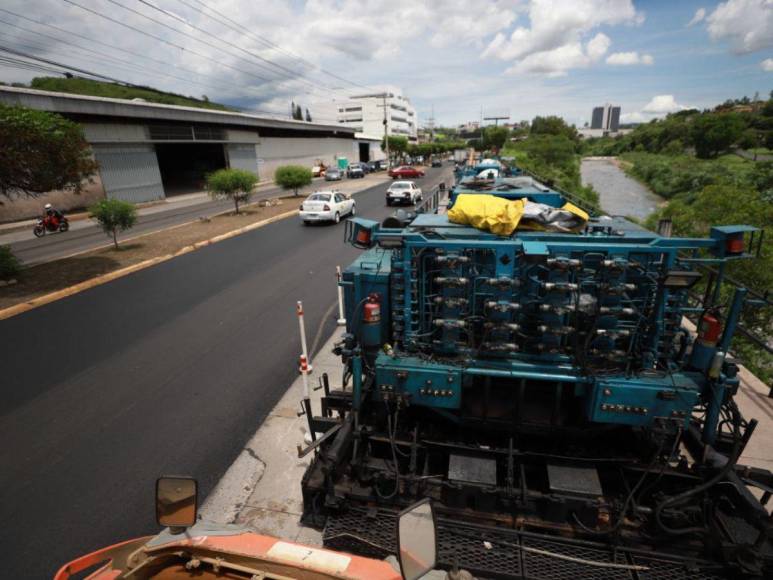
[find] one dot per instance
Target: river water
(620, 194)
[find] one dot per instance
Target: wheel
(39, 231)
(337, 218)
(354, 210)
(64, 226)
(389, 202)
(306, 223)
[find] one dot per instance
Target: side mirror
(417, 540)
(176, 502)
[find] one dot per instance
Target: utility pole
(386, 132)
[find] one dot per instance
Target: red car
(405, 171)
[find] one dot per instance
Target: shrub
(235, 184)
(9, 264)
(114, 215)
(292, 177)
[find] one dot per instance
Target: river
(620, 194)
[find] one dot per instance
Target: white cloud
(767, 65)
(700, 14)
(556, 62)
(662, 105)
(746, 24)
(629, 59)
(659, 106)
(553, 43)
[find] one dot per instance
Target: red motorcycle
(50, 223)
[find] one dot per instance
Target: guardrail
(586, 206)
(431, 202)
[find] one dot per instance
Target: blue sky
(521, 58)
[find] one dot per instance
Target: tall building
(364, 112)
(606, 118)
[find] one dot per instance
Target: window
(339, 198)
(319, 197)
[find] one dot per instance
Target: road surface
(166, 371)
(86, 235)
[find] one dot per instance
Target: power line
(237, 27)
(64, 66)
(292, 76)
(288, 72)
(84, 37)
(165, 41)
(135, 69)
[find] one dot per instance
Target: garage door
(129, 172)
(242, 156)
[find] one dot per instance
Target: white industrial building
(364, 112)
(148, 151)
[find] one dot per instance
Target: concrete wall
(277, 151)
(21, 206)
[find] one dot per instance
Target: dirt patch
(45, 278)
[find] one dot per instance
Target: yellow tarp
(502, 217)
(487, 212)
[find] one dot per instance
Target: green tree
(713, 134)
(235, 184)
(397, 145)
(40, 152)
(114, 215)
(495, 137)
(553, 125)
(292, 177)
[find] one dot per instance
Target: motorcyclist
(53, 214)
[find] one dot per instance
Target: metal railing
(430, 203)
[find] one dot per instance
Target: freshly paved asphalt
(166, 371)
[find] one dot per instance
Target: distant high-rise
(606, 118)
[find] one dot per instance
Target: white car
(326, 206)
(403, 192)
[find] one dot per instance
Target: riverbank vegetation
(551, 149)
(689, 159)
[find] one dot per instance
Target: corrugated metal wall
(129, 172)
(242, 156)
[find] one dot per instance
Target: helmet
(47, 206)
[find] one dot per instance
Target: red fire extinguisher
(372, 310)
(709, 329)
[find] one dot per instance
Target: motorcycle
(50, 224)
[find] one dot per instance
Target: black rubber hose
(684, 496)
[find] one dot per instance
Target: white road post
(304, 374)
(341, 320)
(304, 351)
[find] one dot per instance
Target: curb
(110, 276)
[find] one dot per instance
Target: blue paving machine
(543, 390)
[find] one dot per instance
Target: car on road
(326, 206)
(403, 192)
(405, 171)
(437, 163)
(333, 174)
(356, 170)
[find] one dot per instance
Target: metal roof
(72, 104)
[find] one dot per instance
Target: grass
(89, 87)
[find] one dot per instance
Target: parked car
(355, 170)
(437, 162)
(326, 206)
(403, 192)
(405, 171)
(333, 174)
